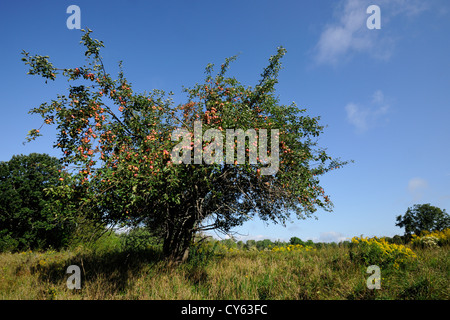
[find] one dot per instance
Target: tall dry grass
(326, 273)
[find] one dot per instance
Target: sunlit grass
(296, 273)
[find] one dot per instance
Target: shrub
(7, 243)
(430, 242)
(374, 251)
(201, 252)
(139, 239)
(431, 239)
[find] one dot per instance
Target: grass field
(108, 271)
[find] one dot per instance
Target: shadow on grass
(110, 269)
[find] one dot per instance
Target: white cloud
(344, 35)
(416, 184)
(416, 187)
(257, 237)
(357, 116)
(332, 236)
(363, 117)
(348, 33)
(378, 97)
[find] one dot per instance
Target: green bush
(139, 239)
(109, 241)
(28, 217)
(201, 253)
(7, 243)
(374, 251)
(431, 239)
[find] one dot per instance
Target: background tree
(296, 240)
(250, 244)
(27, 217)
(120, 142)
(423, 217)
(229, 243)
(263, 244)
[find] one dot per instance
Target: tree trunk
(178, 239)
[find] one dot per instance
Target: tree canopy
(423, 217)
(123, 150)
(27, 218)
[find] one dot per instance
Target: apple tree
(124, 149)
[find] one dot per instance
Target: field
(109, 270)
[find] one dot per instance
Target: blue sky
(384, 93)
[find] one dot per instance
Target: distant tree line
(268, 244)
(34, 215)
